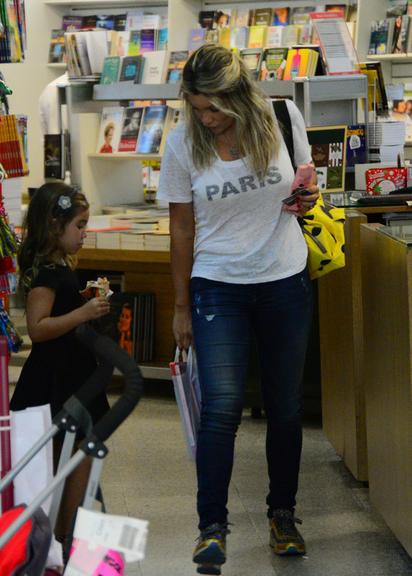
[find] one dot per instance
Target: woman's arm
(41, 326)
(182, 234)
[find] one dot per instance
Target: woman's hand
(95, 308)
(307, 201)
(182, 326)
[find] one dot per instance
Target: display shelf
(61, 65)
(112, 3)
(390, 57)
(118, 156)
(129, 91)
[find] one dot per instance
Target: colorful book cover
(252, 58)
(257, 36)
(271, 67)
(355, 144)
(70, 23)
(110, 130)
(378, 41)
(130, 70)
(130, 129)
(134, 43)
(106, 22)
(280, 16)
(151, 132)
(162, 38)
(110, 72)
(177, 60)
(262, 16)
(147, 40)
(57, 49)
(197, 38)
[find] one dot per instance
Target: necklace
(233, 149)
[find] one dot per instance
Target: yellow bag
(323, 229)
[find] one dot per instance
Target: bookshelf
(119, 156)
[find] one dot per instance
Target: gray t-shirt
(242, 234)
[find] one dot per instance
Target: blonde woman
(238, 265)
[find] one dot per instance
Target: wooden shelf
(125, 156)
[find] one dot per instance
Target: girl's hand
(182, 326)
(95, 308)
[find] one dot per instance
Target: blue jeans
(224, 315)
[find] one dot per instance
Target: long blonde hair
(223, 78)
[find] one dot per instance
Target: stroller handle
(109, 355)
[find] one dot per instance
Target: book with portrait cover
(57, 49)
(132, 119)
(110, 130)
(130, 323)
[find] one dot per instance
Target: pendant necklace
(234, 151)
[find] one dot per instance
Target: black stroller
(73, 417)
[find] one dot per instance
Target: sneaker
(285, 538)
(210, 551)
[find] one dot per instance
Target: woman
(238, 265)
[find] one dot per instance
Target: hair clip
(64, 202)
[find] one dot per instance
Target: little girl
(58, 363)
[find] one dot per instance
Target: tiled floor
(148, 475)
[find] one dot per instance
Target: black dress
(56, 368)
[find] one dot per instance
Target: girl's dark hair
(52, 207)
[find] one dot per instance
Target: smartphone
(291, 200)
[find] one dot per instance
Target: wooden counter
(144, 271)
(341, 353)
(387, 285)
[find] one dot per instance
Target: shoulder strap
(282, 114)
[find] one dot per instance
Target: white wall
(28, 79)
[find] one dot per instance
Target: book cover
(111, 68)
(225, 37)
(162, 39)
(105, 21)
(130, 69)
(130, 129)
(280, 16)
(70, 23)
(400, 35)
(119, 44)
(257, 36)
(177, 60)
(379, 35)
(207, 18)
(57, 48)
(239, 36)
(134, 43)
(271, 67)
(155, 67)
(53, 156)
(97, 49)
(89, 22)
(172, 119)
(110, 130)
(377, 99)
(262, 17)
(197, 38)
(151, 131)
(274, 36)
(130, 323)
(252, 58)
(242, 17)
(355, 145)
(120, 21)
(147, 40)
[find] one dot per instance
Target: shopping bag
(27, 426)
(187, 392)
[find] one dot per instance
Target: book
(380, 36)
(119, 43)
(57, 50)
(177, 60)
(162, 39)
(252, 58)
(239, 36)
(197, 38)
(130, 323)
(110, 130)
(54, 156)
(151, 131)
(272, 64)
(257, 36)
(70, 23)
(274, 36)
(377, 99)
(172, 119)
(89, 22)
(262, 17)
(111, 69)
(147, 40)
(356, 145)
(130, 129)
(280, 16)
(241, 17)
(155, 67)
(120, 21)
(97, 49)
(400, 35)
(207, 18)
(131, 69)
(134, 43)
(105, 21)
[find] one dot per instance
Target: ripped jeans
(224, 315)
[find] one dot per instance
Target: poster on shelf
(328, 148)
